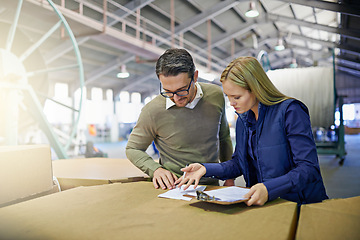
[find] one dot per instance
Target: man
(186, 121)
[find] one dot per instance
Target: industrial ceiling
(113, 33)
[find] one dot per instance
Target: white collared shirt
(192, 104)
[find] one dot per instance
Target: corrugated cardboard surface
(68, 183)
(331, 219)
(95, 171)
(133, 211)
(54, 189)
(24, 171)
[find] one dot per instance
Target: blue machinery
(16, 90)
(337, 147)
(263, 58)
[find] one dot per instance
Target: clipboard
(201, 196)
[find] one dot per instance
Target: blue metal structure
(21, 89)
(338, 147)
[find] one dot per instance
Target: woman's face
(241, 100)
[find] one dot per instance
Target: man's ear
(196, 75)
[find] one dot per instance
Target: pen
(184, 174)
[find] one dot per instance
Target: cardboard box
(134, 211)
(331, 219)
(54, 189)
(95, 171)
(25, 171)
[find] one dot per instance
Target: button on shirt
(192, 104)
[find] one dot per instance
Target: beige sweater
(182, 135)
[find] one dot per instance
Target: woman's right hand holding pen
(192, 174)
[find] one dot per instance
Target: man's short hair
(175, 61)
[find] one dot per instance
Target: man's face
(178, 83)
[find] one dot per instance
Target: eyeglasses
(180, 93)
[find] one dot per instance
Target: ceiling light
(252, 12)
(293, 63)
(280, 45)
(123, 73)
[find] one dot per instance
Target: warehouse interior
(75, 74)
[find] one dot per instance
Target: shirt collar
(191, 105)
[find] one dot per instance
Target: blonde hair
(247, 73)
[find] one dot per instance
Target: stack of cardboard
(134, 211)
(331, 219)
(95, 171)
(25, 173)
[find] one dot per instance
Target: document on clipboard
(178, 193)
(229, 194)
(224, 196)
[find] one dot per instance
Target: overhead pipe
(137, 36)
(172, 22)
(12, 31)
(209, 44)
(62, 29)
(104, 15)
(81, 7)
(181, 39)
(232, 48)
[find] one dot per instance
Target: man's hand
(164, 179)
(258, 195)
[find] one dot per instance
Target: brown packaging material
(133, 211)
(95, 171)
(25, 171)
(54, 189)
(331, 219)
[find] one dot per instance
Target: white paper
(228, 194)
(177, 193)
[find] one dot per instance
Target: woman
(275, 150)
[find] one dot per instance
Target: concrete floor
(341, 181)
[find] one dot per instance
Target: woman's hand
(258, 195)
(192, 173)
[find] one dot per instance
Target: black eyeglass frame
(166, 94)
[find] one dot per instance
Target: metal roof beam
(321, 42)
(348, 70)
(349, 33)
(225, 37)
(216, 22)
(348, 59)
(348, 9)
(62, 49)
(132, 6)
(135, 82)
(204, 16)
(110, 66)
(67, 46)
